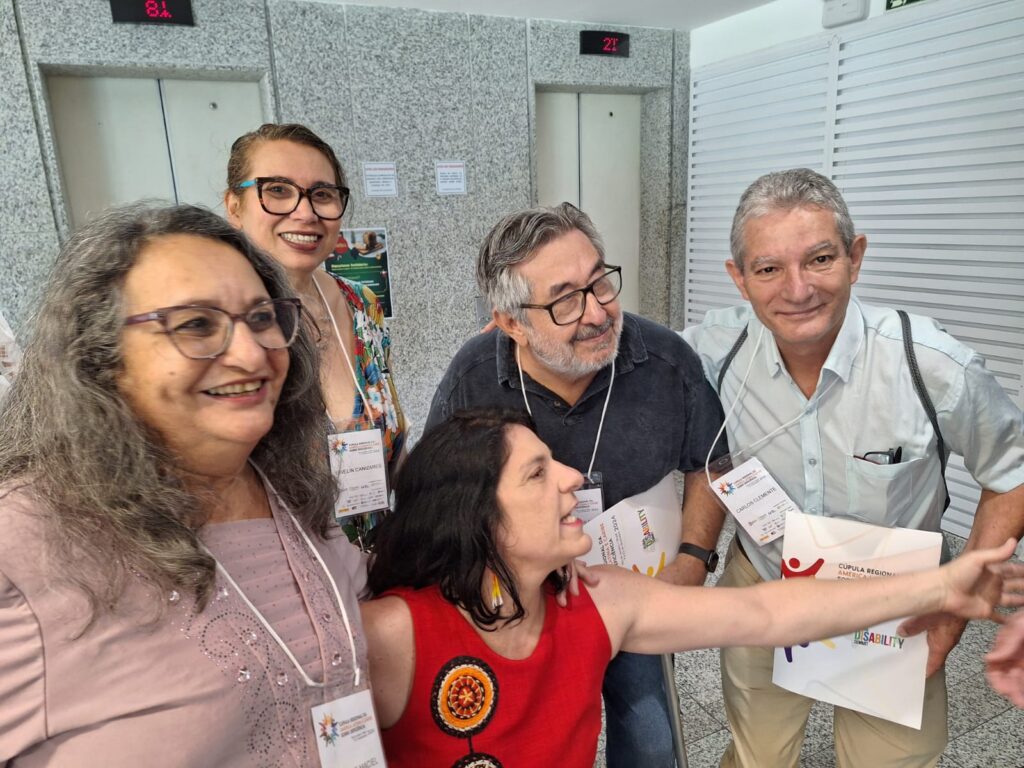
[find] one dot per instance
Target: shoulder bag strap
(922, 394)
(728, 358)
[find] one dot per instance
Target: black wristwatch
(707, 556)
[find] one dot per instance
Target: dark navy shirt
(662, 415)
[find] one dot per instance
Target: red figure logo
(790, 571)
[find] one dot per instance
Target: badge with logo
(361, 471)
(590, 496)
(347, 735)
(755, 499)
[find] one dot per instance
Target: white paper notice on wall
(873, 670)
(380, 179)
(451, 177)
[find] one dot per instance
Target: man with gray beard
(618, 397)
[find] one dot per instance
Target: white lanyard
(270, 630)
(604, 410)
(344, 354)
(732, 407)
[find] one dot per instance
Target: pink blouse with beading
(165, 685)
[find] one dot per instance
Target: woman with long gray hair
(173, 588)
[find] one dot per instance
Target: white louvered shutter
(746, 119)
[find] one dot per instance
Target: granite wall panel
(27, 232)
(555, 58)
(677, 209)
(26, 257)
(415, 87)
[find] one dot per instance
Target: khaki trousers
(768, 722)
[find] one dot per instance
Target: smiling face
(565, 264)
(208, 412)
(299, 241)
(797, 277)
(535, 493)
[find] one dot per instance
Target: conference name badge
(590, 498)
(347, 735)
(755, 499)
(361, 471)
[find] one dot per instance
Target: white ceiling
(674, 14)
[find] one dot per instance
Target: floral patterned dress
(372, 367)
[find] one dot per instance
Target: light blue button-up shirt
(864, 402)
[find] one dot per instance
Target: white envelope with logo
(872, 670)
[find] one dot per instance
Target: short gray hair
(784, 191)
(112, 493)
(516, 238)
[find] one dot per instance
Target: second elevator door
(588, 154)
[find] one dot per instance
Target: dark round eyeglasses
(281, 196)
(203, 333)
(567, 309)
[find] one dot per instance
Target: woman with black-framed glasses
(287, 191)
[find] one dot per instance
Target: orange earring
(496, 599)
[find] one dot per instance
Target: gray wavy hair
(783, 191)
(513, 240)
(110, 490)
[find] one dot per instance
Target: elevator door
(588, 154)
(125, 139)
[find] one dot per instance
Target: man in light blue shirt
(829, 407)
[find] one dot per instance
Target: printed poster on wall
(361, 255)
(873, 670)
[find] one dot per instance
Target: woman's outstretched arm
(644, 615)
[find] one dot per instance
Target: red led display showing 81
(158, 10)
(152, 12)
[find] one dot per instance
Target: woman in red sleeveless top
(471, 663)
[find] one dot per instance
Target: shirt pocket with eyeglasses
(884, 494)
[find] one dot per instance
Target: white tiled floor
(985, 731)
